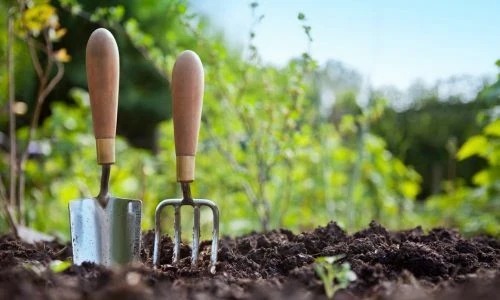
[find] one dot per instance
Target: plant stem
(9, 201)
(45, 88)
(10, 218)
(12, 116)
(287, 193)
(355, 176)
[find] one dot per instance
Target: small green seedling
(334, 276)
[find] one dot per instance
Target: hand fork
(187, 101)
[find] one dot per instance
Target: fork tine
(215, 232)
(196, 235)
(177, 234)
(178, 203)
(156, 247)
(215, 236)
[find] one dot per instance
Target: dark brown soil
(278, 265)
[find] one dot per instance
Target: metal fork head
(196, 204)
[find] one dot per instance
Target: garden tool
(187, 101)
(104, 230)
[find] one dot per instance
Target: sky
(392, 42)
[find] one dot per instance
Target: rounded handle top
(187, 102)
(103, 73)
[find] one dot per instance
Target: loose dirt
(277, 265)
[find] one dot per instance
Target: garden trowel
(104, 230)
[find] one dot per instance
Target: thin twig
(34, 58)
(12, 116)
(10, 218)
(227, 154)
(43, 91)
(251, 194)
(55, 80)
(287, 193)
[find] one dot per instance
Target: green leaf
(182, 8)
(301, 16)
(117, 13)
(332, 275)
(473, 146)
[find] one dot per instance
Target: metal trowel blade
(108, 235)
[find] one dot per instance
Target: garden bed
(278, 265)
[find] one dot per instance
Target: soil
(408, 264)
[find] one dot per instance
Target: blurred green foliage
(427, 135)
(267, 154)
(474, 209)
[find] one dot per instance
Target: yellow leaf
(493, 128)
(482, 178)
(473, 146)
(62, 55)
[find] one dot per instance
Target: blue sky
(392, 42)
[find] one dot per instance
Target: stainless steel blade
(108, 235)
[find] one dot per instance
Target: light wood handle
(187, 102)
(103, 74)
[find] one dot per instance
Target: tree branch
(34, 58)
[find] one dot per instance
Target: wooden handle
(103, 74)
(187, 102)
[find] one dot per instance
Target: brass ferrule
(185, 168)
(105, 150)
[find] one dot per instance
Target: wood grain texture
(187, 102)
(185, 168)
(103, 73)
